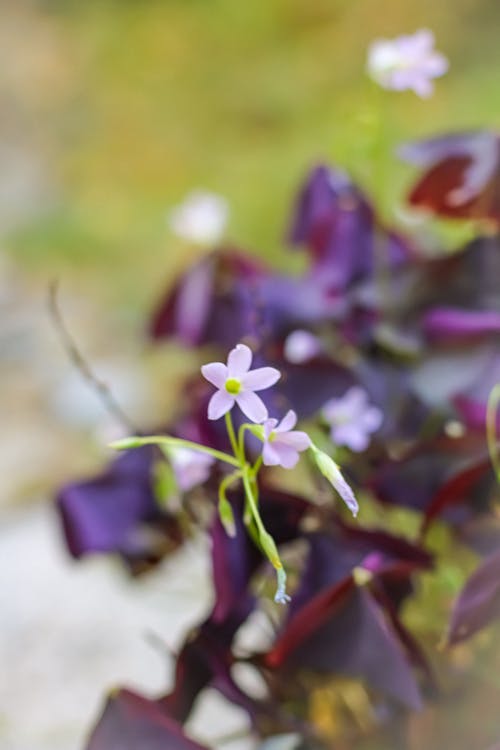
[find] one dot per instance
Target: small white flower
(282, 444)
(407, 62)
(201, 219)
(236, 384)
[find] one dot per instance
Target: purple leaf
(117, 511)
(461, 177)
(132, 722)
(342, 629)
(478, 603)
(334, 220)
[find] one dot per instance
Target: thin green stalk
(227, 481)
(137, 442)
(232, 437)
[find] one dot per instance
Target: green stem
(252, 504)
(227, 481)
(241, 437)
(256, 467)
(137, 442)
(232, 437)
(491, 428)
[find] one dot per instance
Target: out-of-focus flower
(407, 62)
(201, 219)
(236, 383)
(352, 419)
(191, 468)
(461, 176)
(301, 346)
(282, 443)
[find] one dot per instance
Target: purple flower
(282, 444)
(300, 346)
(407, 62)
(236, 383)
(190, 467)
(352, 419)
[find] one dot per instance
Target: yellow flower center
(233, 386)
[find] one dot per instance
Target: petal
(239, 361)
(296, 439)
(252, 406)
(220, 403)
(355, 400)
(262, 377)
(371, 419)
(215, 373)
(288, 422)
(269, 426)
(269, 455)
(351, 436)
(288, 456)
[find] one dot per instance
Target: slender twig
(74, 354)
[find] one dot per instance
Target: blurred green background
(117, 108)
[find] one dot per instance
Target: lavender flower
(236, 383)
(352, 419)
(201, 219)
(282, 443)
(301, 346)
(407, 62)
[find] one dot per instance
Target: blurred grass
(132, 104)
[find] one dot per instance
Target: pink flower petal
(269, 455)
(288, 456)
(262, 377)
(371, 419)
(215, 373)
(288, 422)
(269, 426)
(252, 406)
(351, 436)
(239, 361)
(296, 439)
(220, 403)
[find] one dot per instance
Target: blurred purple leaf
(133, 722)
(117, 512)
(478, 603)
(461, 176)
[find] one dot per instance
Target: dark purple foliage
(461, 177)
(343, 630)
(335, 222)
(479, 601)
(117, 512)
(133, 722)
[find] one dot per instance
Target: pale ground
(71, 631)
